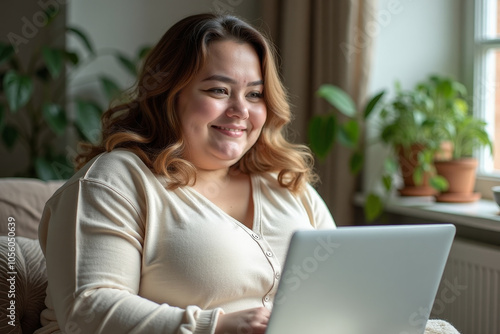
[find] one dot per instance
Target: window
(487, 80)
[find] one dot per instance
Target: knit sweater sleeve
(92, 236)
(318, 211)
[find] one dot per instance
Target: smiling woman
(179, 219)
(156, 136)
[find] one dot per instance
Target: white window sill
(483, 214)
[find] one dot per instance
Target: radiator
(469, 292)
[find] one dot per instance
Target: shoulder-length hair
(149, 125)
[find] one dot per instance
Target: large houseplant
(35, 109)
(327, 129)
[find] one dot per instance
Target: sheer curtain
(324, 41)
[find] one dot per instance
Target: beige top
(125, 255)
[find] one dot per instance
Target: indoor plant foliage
(326, 129)
(35, 109)
(409, 127)
(432, 117)
(465, 133)
(435, 116)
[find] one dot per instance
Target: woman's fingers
(251, 321)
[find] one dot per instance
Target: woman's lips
(232, 132)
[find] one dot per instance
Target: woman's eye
(255, 95)
(218, 91)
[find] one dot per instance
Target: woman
(179, 221)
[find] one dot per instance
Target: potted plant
(426, 126)
(457, 130)
(435, 117)
(408, 128)
(465, 133)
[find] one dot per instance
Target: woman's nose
(238, 108)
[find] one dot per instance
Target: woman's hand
(251, 321)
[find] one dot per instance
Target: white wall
(422, 37)
(415, 39)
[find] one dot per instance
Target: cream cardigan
(125, 255)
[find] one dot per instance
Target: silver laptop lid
(361, 280)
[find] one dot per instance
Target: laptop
(361, 280)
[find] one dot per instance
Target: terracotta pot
(408, 159)
(461, 176)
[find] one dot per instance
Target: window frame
(483, 83)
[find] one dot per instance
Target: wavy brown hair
(149, 125)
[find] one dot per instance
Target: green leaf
(388, 133)
(72, 57)
(110, 87)
(126, 63)
(338, 98)
(88, 120)
(6, 52)
(356, 162)
(460, 88)
(349, 133)
(322, 131)
(55, 116)
(143, 51)
(418, 176)
(44, 169)
(461, 106)
(83, 38)
(373, 207)
(9, 136)
(387, 182)
(18, 89)
(54, 59)
(445, 88)
(372, 104)
(439, 183)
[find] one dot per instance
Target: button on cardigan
(125, 255)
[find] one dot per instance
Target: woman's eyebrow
(229, 80)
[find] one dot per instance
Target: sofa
(23, 278)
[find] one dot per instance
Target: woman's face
(222, 109)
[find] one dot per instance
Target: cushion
(436, 326)
(23, 200)
(23, 284)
